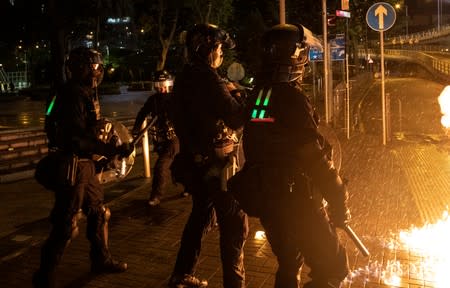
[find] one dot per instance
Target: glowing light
(428, 259)
(50, 106)
(260, 235)
(444, 102)
(431, 243)
(258, 100)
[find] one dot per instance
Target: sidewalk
(392, 188)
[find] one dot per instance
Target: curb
(7, 178)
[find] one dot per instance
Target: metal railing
(440, 65)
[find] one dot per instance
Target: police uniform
(202, 100)
(72, 127)
(164, 139)
(287, 163)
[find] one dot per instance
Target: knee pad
(101, 213)
(97, 222)
(106, 213)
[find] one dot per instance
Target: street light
(439, 14)
(398, 6)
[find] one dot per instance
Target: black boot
(186, 281)
(43, 280)
(108, 266)
(97, 231)
(51, 254)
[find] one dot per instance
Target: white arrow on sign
(380, 12)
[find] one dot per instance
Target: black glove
(339, 213)
(125, 149)
(135, 131)
(339, 217)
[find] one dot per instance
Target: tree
(64, 17)
(164, 37)
(165, 20)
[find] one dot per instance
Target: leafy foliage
(153, 33)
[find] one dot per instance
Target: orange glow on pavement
(427, 264)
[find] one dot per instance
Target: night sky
(427, 6)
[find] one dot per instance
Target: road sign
(345, 4)
(342, 13)
(337, 50)
(337, 46)
(315, 54)
(381, 16)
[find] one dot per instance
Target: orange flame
(444, 102)
(429, 258)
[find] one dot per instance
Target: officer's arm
(325, 177)
(142, 114)
(319, 165)
(84, 139)
(228, 107)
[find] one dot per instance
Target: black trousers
(166, 151)
(86, 197)
(210, 202)
(299, 231)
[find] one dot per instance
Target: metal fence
(20, 79)
(438, 64)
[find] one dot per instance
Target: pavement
(393, 189)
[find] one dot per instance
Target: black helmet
(203, 38)
(85, 65)
(285, 51)
(162, 79)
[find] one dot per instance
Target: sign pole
(380, 17)
(383, 95)
(347, 79)
(347, 90)
(325, 59)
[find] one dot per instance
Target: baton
(359, 244)
(142, 132)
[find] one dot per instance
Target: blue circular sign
(381, 16)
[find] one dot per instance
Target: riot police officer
(162, 132)
(72, 125)
(289, 170)
(202, 103)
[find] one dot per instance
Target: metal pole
(439, 15)
(146, 152)
(325, 59)
(347, 79)
(406, 11)
(400, 115)
(347, 86)
(282, 12)
(383, 96)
